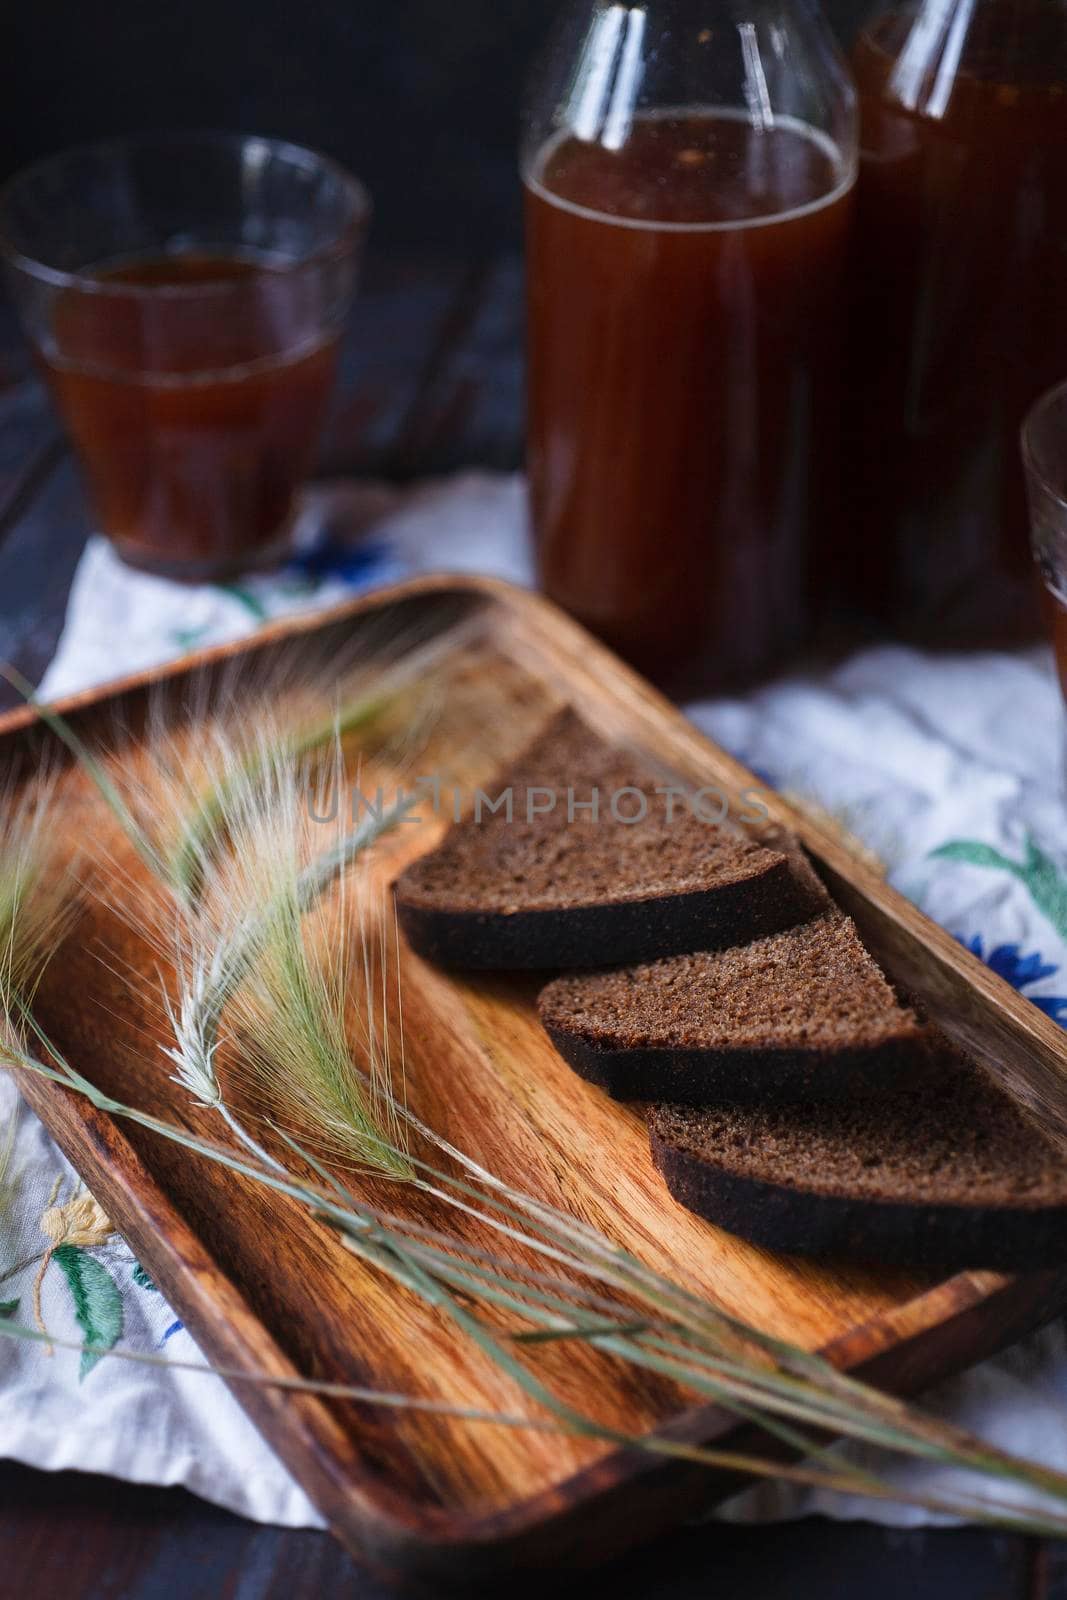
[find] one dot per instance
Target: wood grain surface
(263, 1288)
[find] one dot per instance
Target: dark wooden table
(431, 381)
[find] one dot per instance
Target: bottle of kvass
(689, 168)
(960, 311)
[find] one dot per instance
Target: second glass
(688, 170)
(1044, 455)
(185, 295)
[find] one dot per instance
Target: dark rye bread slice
(800, 1015)
(556, 888)
(949, 1175)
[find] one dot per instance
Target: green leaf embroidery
(8, 1308)
(1047, 886)
(97, 1302)
(252, 604)
(188, 638)
(141, 1278)
(975, 854)
(1039, 873)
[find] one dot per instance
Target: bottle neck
(931, 44)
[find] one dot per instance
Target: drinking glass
(185, 294)
(1044, 442)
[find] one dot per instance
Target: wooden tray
(262, 1287)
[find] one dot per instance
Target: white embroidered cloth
(950, 768)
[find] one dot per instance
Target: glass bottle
(688, 167)
(960, 280)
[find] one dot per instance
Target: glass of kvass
(185, 295)
(1044, 455)
(688, 168)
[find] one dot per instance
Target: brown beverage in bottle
(196, 417)
(684, 365)
(961, 314)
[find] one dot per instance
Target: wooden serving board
(263, 1288)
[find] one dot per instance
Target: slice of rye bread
(801, 1015)
(949, 1175)
(560, 889)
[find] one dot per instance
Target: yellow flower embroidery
(82, 1221)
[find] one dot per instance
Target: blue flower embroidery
(1021, 971)
(358, 564)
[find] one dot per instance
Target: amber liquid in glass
(684, 383)
(960, 320)
(195, 419)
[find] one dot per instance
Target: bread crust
(782, 1217)
(609, 933)
(746, 1076)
